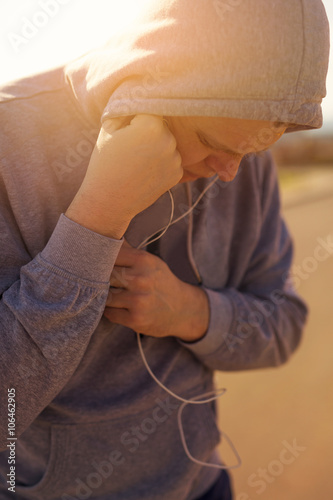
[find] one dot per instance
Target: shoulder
(258, 179)
(32, 86)
(45, 146)
(31, 106)
(42, 127)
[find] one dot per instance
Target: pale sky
(56, 31)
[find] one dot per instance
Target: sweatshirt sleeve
(49, 313)
(258, 324)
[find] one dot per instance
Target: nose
(226, 167)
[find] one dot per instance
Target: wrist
(196, 314)
(92, 216)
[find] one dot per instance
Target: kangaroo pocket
(139, 456)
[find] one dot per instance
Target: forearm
(248, 332)
(131, 166)
(86, 211)
(47, 317)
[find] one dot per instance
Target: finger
(119, 316)
(127, 256)
(118, 298)
(113, 124)
(121, 277)
(147, 120)
(126, 244)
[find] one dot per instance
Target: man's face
(210, 146)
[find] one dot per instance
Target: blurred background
(279, 419)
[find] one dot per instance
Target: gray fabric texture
(253, 59)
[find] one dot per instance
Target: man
(95, 158)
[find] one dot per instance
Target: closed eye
(233, 154)
(220, 149)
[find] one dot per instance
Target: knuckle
(137, 319)
(124, 277)
(151, 123)
(143, 259)
(139, 303)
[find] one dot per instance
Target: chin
(188, 177)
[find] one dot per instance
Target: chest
(224, 235)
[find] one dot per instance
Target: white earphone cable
(164, 229)
(218, 392)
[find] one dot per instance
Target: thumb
(126, 244)
(113, 124)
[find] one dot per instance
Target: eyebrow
(211, 143)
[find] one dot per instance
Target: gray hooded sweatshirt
(90, 422)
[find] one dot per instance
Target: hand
(130, 168)
(148, 298)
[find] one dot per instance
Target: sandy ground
(281, 419)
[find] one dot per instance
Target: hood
(250, 59)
